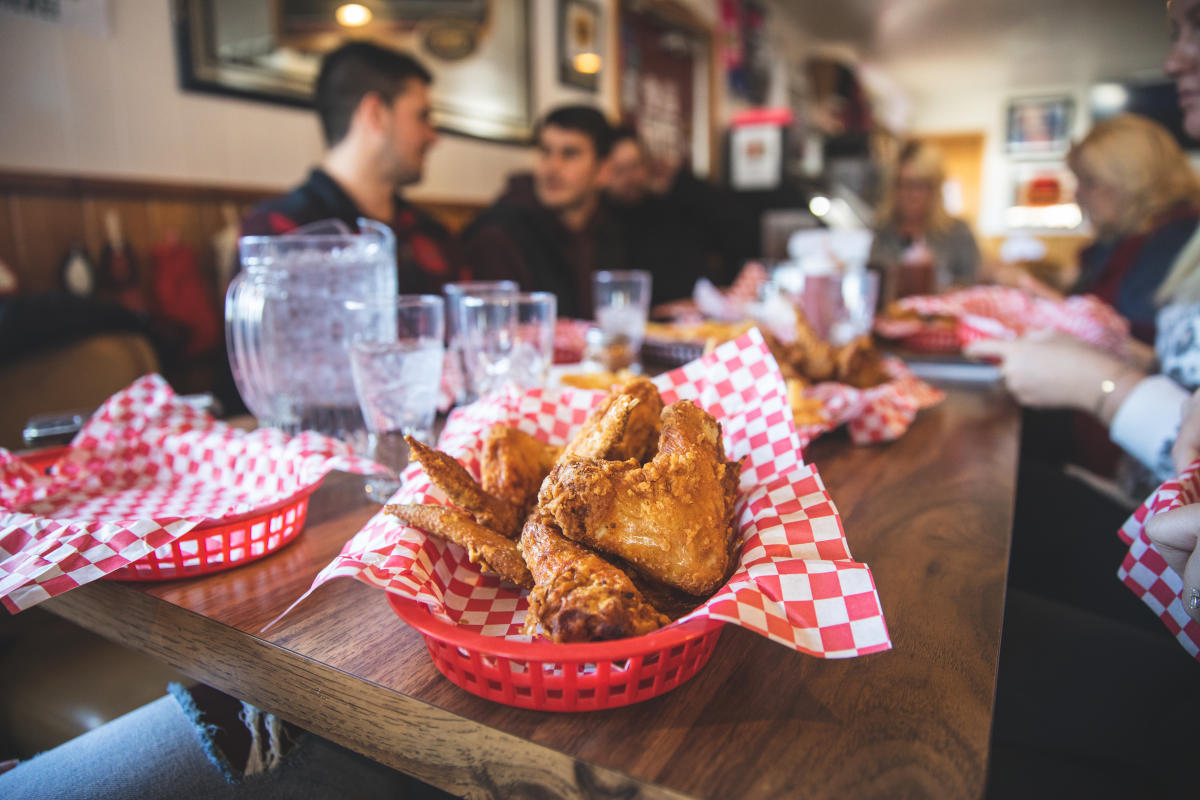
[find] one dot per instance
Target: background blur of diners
(134, 135)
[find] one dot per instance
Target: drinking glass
(455, 292)
(840, 306)
(508, 338)
(397, 377)
(622, 302)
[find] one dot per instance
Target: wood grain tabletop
(930, 513)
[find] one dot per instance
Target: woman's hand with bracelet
(1050, 370)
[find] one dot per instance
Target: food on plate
(899, 313)
(600, 381)
(631, 527)
(859, 364)
(491, 551)
(709, 333)
(624, 425)
(578, 596)
(453, 479)
(672, 518)
(810, 358)
(806, 410)
(513, 465)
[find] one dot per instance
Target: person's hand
(1175, 534)
(1187, 443)
(1050, 370)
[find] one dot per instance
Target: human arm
(1045, 370)
(1054, 371)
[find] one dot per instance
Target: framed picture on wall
(1039, 126)
(579, 44)
(479, 52)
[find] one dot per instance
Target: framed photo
(580, 46)
(271, 50)
(1039, 126)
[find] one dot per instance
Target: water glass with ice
(508, 338)
(622, 304)
(455, 292)
(397, 376)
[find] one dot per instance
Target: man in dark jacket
(548, 231)
(676, 226)
(374, 108)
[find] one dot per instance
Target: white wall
(964, 82)
(76, 102)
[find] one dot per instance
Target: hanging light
(353, 15)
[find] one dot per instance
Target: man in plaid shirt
(375, 111)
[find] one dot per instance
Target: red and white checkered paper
(996, 312)
(1147, 573)
(879, 414)
(795, 582)
(146, 469)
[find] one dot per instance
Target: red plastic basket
(210, 546)
(563, 677)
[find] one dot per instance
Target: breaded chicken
(625, 425)
(514, 464)
(452, 478)
(491, 551)
(578, 596)
(671, 518)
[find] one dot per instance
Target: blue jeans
(163, 750)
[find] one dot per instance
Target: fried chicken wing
(860, 365)
(578, 596)
(602, 431)
(672, 518)
(625, 425)
(814, 357)
(645, 421)
(514, 464)
(491, 551)
(453, 479)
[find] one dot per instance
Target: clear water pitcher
(291, 313)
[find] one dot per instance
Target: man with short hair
(374, 108)
(547, 231)
(675, 226)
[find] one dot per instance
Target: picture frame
(580, 45)
(478, 51)
(1039, 126)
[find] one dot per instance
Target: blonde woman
(920, 247)
(1147, 264)
(1140, 194)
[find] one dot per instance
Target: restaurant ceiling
(999, 42)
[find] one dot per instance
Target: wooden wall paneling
(44, 228)
(136, 228)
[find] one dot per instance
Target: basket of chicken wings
(566, 550)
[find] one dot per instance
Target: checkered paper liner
(795, 582)
(1147, 573)
(146, 469)
(995, 312)
(879, 414)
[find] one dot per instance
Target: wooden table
(931, 513)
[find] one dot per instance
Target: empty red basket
(563, 677)
(214, 545)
